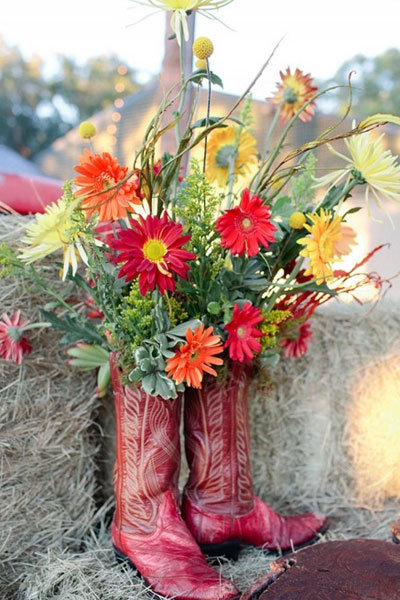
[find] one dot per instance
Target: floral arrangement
(184, 270)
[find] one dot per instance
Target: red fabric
(26, 194)
(219, 503)
(147, 527)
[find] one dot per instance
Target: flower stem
(208, 114)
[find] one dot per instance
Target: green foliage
(177, 314)
(246, 115)
(150, 371)
(270, 327)
(302, 191)
(9, 262)
(376, 84)
(36, 109)
(74, 330)
(136, 317)
(197, 206)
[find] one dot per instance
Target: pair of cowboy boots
(219, 511)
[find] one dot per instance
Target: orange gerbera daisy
(293, 93)
(193, 359)
(97, 174)
(343, 245)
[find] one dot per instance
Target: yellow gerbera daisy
(52, 231)
(372, 164)
(321, 246)
(180, 8)
(223, 144)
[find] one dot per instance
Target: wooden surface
(343, 570)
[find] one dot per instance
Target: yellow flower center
(241, 332)
(154, 250)
(224, 156)
(290, 95)
(326, 247)
(246, 223)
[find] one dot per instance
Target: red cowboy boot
(219, 505)
(147, 528)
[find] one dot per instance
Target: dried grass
(310, 450)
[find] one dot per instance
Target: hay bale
(54, 538)
(309, 448)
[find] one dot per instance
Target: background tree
(36, 109)
(376, 83)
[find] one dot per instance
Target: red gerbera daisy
(13, 343)
(98, 173)
(242, 332)
(152, 251)
(194, 358)
(247, 226)
(296, 344)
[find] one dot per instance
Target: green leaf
(180, 330)
(270, 360)
(165, 387)
(214, 308)
(282, 207)
(135, 375)
(148, 384)
(211, 121)
(351, 211)
(199, 75)
(74, 330)
(312, 286)
(103, 379)
(214, 121)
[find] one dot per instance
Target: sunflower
(371, 164)
(97, 174)
(223, 145)
(180, 8)
(320, 247)
(194, 358)
(247, 226)
(152, 251)
(293, 92)
(51, 231)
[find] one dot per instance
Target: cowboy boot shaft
(217, 443)
(147, 528)
(219, 505)
(148, 454)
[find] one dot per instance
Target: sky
(319, 36)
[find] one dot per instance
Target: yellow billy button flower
(297, 220)
(201, 64)
(87, 130)
(203, 48)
